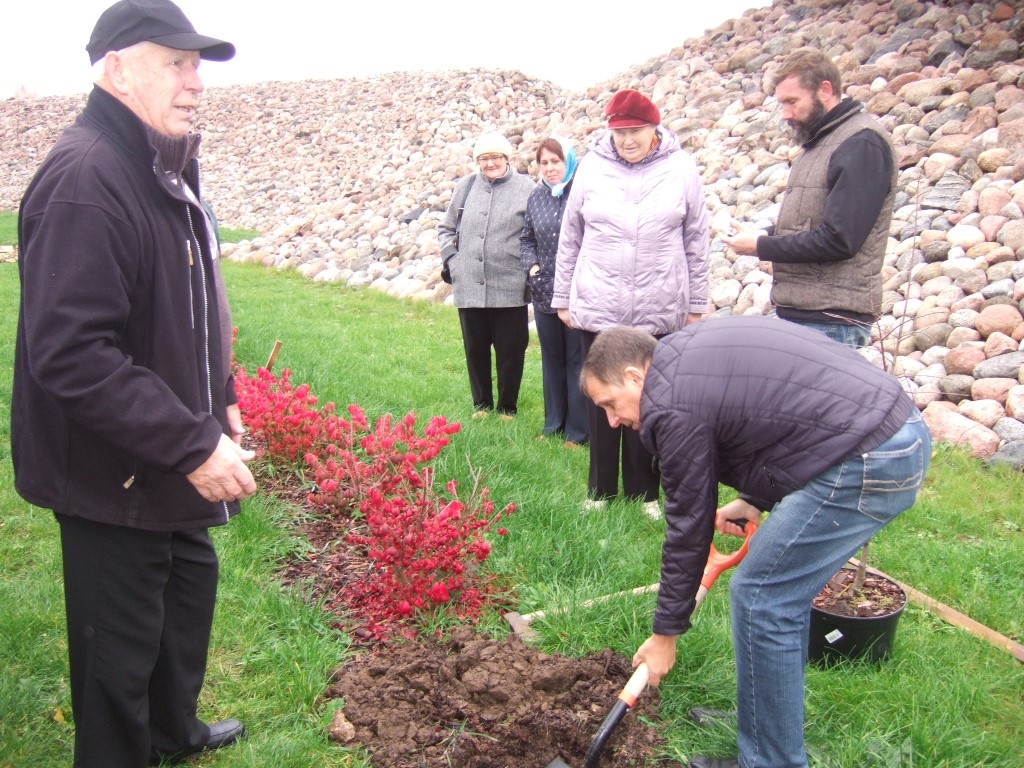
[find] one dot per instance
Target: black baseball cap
(128, 22)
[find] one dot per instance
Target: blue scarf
(570, 167)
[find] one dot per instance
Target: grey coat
(487, 271)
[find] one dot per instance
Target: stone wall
(348, 179)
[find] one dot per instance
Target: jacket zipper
(206, 318)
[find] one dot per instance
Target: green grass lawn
(9, 230)
(8, 227)
(945, 698)
(231, 235)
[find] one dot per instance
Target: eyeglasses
(489, 159)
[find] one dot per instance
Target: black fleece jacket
(120, 387)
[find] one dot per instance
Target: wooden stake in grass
(273, 355)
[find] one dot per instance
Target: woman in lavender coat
(633, 250)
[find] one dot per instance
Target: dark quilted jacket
(761, 405)
(538, 243)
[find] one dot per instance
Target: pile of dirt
(475, 702)
(468, 701)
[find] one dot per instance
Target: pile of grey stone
(348, 179)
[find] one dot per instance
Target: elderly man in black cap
(124, 416)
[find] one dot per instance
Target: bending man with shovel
(797, 424)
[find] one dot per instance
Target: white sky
(573, 43)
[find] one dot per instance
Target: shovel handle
(627, 698)
(635, 685)
(717, 562)
(722, 561)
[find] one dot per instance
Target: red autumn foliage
(426, 545)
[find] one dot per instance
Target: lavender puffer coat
(633, 249)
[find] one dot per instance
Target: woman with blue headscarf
(561, 350)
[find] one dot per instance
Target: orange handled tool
(717, 562)
(723, 561)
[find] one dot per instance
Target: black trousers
(139, 613)
(507, 330)
(640, 477)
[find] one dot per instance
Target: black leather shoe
(706, 717)
(223, 733)
(699, 761)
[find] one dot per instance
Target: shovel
(717, 562)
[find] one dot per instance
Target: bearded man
(828, 244)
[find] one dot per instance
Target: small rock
(964, 236)
(999, 343)
(986, 412)
(340, 729)
(956, 387)
(999, 318)
(1011, 454)
(992, 389)
(963, 359)
(1015, 402)
(1009, 429)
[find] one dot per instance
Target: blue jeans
(845, 333)
(807, 537)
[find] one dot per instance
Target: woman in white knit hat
(479, 241)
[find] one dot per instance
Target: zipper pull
(188, 246)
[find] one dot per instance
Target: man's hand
(737, 509)
(743, 242)
(563, 315)
(659, 651)
(224, 476)
(235, 424)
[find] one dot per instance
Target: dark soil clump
(474, 702)
(469, 701)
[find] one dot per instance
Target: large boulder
(948, 426)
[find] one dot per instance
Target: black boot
(699, 761)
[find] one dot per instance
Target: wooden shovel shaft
(717, 563)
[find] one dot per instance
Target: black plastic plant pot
(834, 639)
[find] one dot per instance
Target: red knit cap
(631, 109)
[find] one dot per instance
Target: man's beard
(803, 129)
